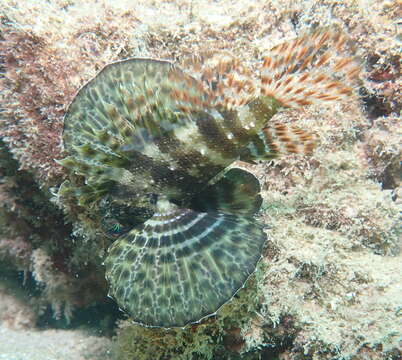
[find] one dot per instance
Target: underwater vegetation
(323, 180)
(154, 143)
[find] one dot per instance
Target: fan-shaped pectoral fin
(181, 266)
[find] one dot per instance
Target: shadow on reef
(27, 213)
(41, 259)
(100, 318)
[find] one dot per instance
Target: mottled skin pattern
(130, 125)
(154, 143)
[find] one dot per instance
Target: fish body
(151, 128)
(155, 141)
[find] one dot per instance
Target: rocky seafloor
(329, 285)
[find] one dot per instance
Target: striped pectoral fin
(237, 192)
(181, 266)
(277, 139)
(315, 67)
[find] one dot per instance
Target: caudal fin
(316, 67)
(313, 68)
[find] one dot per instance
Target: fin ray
(277, 139)
(310, 69)
(181, 266)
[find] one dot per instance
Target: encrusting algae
(155, 142)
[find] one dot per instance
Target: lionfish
(155, 143)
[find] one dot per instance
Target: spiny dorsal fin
(227, 81)
(312, 68)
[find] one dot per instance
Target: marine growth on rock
(155, 141)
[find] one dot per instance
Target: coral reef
(329, 284)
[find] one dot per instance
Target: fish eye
(113, 227)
